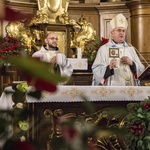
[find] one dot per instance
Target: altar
(72, 94)
(94, 93)
(69, 101)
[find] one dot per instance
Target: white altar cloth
(93, 93)
(79, 64)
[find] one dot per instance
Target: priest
(116, 62)
(50, 53)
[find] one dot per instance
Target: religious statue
(17, 30)
(36, 41)
(84, 32)
(29, 37)
(51, 11)
(39, 18)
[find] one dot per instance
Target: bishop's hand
(113, 63)
(126, 60)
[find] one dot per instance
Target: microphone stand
(148, 66)
(141, 56)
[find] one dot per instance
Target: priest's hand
(54, 60)
(113, 63)
(126, 60)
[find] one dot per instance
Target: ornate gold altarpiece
(53, 16)
(66, 102)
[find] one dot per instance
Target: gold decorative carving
(37, 38)
(51, 11)
(84, 32)
(30, 37)
(49, 115)
(62, 117)
(17, 29)
(102, 118)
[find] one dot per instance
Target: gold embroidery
(103, 92)
(126, 74)
(131, 91)
(73, 93)
(121, 20)
(80, 64)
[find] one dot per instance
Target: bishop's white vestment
(122, 74)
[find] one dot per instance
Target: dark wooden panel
(50, 112)
(81, 77)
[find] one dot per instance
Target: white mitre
(119, 21)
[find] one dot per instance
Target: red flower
(104, 40)
(146, 106)
(41, 84)
(11, 47)
(136, 128)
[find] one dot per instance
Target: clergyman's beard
(53, 47)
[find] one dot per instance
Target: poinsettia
(91, 48)
(11, 47)
(138, 123)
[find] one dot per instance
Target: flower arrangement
(45, 81)
(19, 109)
(11, 47)
(91, 48)
(138, 124)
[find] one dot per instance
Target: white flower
(22, 138)
(19, 105)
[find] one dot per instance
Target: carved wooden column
(140, 30)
